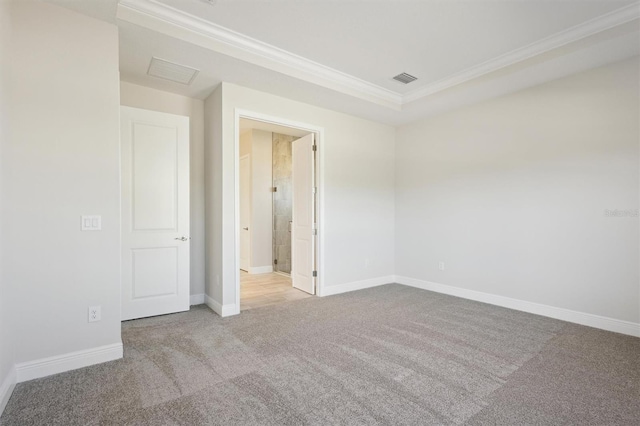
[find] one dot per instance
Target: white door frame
(319, 132)
(250, 248)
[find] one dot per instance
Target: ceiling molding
(570, 35)
(160, 17)
(239, 45)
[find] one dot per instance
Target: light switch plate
(91, 223)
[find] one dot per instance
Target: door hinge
(274, 189)
(315, 189)
(315, 273)
(315, 147)
(275, 261)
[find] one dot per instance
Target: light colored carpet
(390, 355)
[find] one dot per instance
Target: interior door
(155, 213)
(245, 212)
(303, 198)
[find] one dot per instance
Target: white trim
(196, 299)
(260, 269)
(215, 306)
(174, 22)
(562, 38)
(319, 132)
(73, 360)
(222, 310)
(357, 285)
(229, 310)
(596, 321)
(236, 204)
(240, 158)
(177, 23)
(6, 389)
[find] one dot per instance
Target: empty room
(279, 212)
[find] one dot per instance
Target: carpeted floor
(391, 355)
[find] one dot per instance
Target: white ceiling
(342, 54)
(376, 40)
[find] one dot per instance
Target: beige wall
(257, 144)
(245, 142)
(146, 98)
(511, 194)
(213, 193)
(7, 339)
(61, 162)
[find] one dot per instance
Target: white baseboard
(215, 306)
(196, 299)
(59, 364)
(222, 310)
(6, 388)
(260, 269)
(596, 321)
(356, 285)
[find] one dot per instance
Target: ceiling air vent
(171, 71)
(405, 78)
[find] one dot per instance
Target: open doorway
(277, 213)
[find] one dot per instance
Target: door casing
(246, 233)
(319, 138)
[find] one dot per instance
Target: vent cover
(171, 71)
(405, 78)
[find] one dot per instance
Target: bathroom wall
(257, 144)
(261, 203)
(282, 201)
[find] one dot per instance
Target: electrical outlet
(441, 265)
(94, 313)
(367, 263)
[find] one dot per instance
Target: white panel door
(245, 212)
(155, 213)
(302, 238)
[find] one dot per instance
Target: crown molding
(152, 14)
(163, 18)
(570, 35)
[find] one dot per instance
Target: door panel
(155, 272)
(155, 213)
(154, 173)
(302, 253)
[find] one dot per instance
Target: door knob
(182, 238)
(246, 229)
